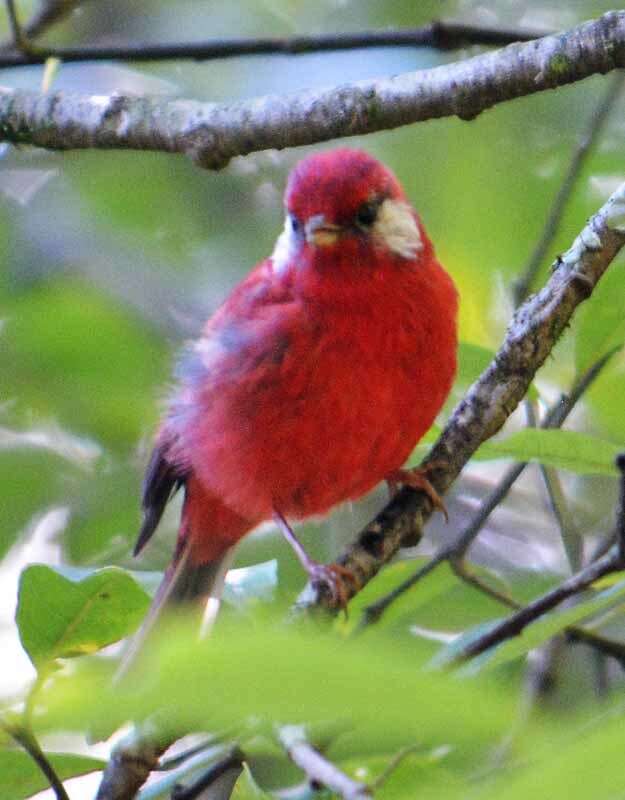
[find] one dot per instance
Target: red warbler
(313, 381)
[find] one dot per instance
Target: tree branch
(211, 134)
(438, 34)
(531, 336)
(233, 760)
(317, 768)
(612, 561)
(47, 14)
(131, 762)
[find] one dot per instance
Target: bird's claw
(334, 579)
(417, 478)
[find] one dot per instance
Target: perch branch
(211, 133)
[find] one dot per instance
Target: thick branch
(438, 34)
(131, 762)
(212, 134)
(531, 336)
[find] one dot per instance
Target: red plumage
(320, 372)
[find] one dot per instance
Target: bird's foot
(417, 478)
(334, 579)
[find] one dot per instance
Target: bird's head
(346, 203)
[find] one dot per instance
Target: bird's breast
(325, 408)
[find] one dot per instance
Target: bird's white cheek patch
(395, 228)
(284, 247)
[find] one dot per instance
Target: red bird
(314, 380)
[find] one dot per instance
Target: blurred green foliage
(111, 260)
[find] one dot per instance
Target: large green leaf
(266, 672)
(570, 450)
(20, 777)
(60, 618)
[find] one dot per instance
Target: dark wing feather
(162, 480)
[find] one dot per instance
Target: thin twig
(554, 418)
(612, 561)
(19, 40)
(233, 759)
(440, 35)
(620, 514)
(514, 625)
(602, 644)
(461, 571)
(569, 532)
(48, 13)
(172, 763)
(392, 766)
(317, 768)
(26, 739)
(585, 144)
(573, 633)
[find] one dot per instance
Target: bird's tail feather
(184, 584)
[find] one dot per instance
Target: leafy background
(112, 259)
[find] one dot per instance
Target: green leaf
(285, 676)
(406, 606)
(570, 450)
(472, 361)
(246, 787)
(418, 774)
(59, 618)
(20, 777)
(600, 326)
(583, 764)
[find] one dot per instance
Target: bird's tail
(184, 583)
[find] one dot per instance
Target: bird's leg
(332, 576)
(417, 478)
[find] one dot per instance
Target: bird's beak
(321, 233)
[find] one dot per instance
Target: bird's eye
(366, 214)
(296, 224)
